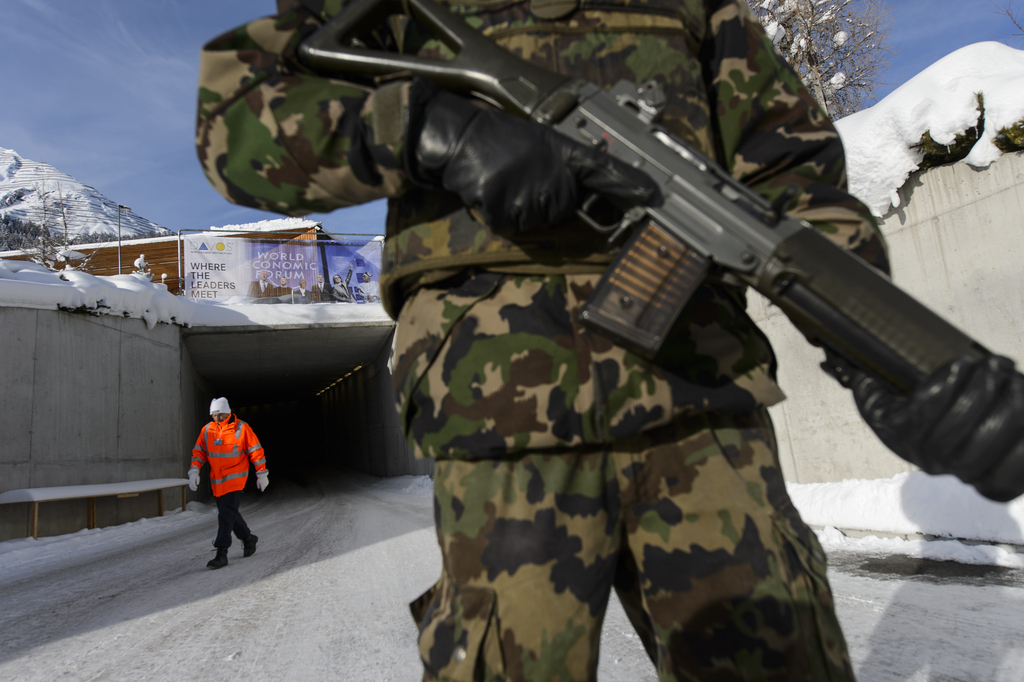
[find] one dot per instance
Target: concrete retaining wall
(194, 397)
(361, 426)
(87, 400)
(400, 459)
(956, 243)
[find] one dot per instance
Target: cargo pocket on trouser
(803, 564)
(459, 638)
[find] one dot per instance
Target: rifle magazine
(644, 290)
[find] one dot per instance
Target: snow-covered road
(324, 598)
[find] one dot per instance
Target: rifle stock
(707, 222)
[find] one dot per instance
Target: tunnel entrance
(317, 394)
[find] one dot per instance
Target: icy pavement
(325, 595)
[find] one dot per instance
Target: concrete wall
(956, 243)
(86, 400)
(103, 399)
(400, 459)
(361, 425)
(195, 395)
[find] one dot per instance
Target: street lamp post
(119, 209)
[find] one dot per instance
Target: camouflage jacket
(476, 378)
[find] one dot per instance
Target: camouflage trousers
(691, 525)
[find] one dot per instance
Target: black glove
(966, 419)
(518, 174)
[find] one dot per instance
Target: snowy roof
(28, 285)
(272, 225)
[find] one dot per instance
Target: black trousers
(229, 518)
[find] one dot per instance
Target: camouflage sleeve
(272, 136)
(772, 134)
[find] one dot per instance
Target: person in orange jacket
(228, 444)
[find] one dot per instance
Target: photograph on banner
(353, 271)
(282, 271)
(232, 270)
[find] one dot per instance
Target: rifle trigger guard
(629, 219)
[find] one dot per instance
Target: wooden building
(162, 254)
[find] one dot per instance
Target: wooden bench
(33, 496)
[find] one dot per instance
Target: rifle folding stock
(708, 222)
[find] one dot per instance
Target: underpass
(313, 393)
(95, 399)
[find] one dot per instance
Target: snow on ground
(908, 504)
(325, 597)
(832, 539)
(941, 99)
(914, 504)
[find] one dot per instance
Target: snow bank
(940, 100)
(938, 550)
(28, 285)
(910, 503)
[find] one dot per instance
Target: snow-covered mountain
(30, 190)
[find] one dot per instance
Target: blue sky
(925, 31)
(105, 91)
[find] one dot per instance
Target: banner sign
(229, 269)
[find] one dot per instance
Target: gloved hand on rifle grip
(518, 174)
(966, 419)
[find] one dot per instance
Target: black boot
(219, 561)
(250, 545)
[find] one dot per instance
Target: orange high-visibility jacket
(228, 446)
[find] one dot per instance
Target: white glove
(262, 480)
(193, 479)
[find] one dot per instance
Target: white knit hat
(220, 406)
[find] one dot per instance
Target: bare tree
(49, 242)
(838, 47)
(63, 212)
(1011, 13)
(47, 208)
(52, 243)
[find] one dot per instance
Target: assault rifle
(707, 222)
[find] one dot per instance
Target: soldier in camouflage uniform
(566, 465)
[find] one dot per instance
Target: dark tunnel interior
(293, 436)
(312, 395)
